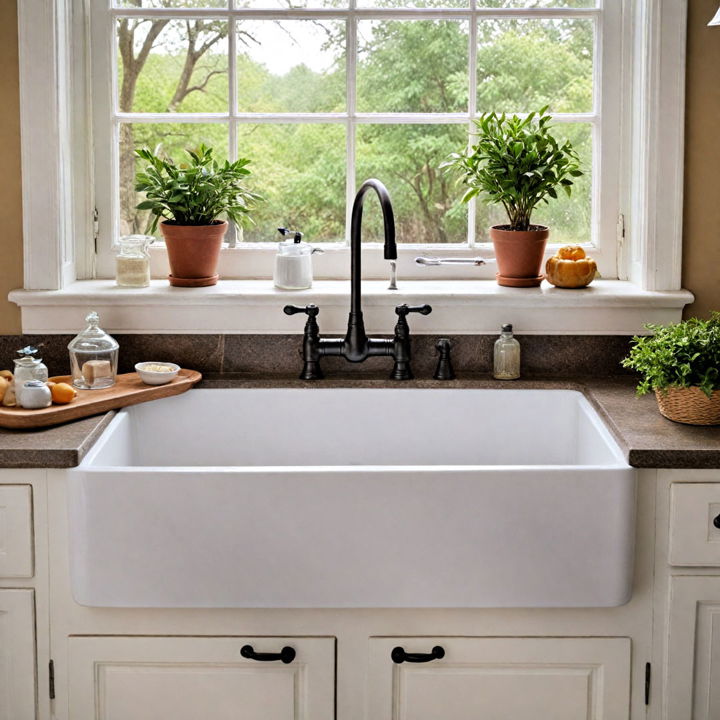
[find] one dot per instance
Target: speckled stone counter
(53, 447)
(647, 439)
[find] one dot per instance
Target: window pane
(426, 200)
(172, 139)
(291, 66)
(186, 70)
(525, 64)
(537, 4)
(300, 172)
(412, 66)
(414, 3)
(172, 3)
(290, 4)
(569, 218)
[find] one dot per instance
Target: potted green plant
(681, 363)
(517, 163)
(187, 201)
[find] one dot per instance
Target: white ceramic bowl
(152, 377)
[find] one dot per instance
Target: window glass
(426, 200)
(299, 170)
(569, 218)
(418, 66)
(523, 65)
(169, 139)
(291, 66)
(172, 65)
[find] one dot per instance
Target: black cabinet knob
(398, 655)
(716, 522)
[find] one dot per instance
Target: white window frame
(256, 260)
(57, 202)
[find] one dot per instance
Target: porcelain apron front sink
(354, 498)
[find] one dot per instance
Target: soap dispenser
(506, 361)
(293, 262)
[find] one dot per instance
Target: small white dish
(154, 377)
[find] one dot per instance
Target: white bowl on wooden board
(155, 377)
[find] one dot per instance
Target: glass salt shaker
(93, 356)
(27, 367)
(132, 262)
(506, 362)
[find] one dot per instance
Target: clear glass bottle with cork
(506, 360)
(93, 356)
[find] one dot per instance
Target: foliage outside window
(267, 85)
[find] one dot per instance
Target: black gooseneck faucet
(356, 346)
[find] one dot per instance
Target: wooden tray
(127, 390)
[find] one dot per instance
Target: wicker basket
(689, 405)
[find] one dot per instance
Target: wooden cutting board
(127, 390)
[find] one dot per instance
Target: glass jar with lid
(132, 261)
(28, 367)
(93, 356)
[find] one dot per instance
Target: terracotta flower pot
(193, 252)
(519, 254)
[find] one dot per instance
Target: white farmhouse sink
(354, 498)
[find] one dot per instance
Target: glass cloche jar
(93, 357)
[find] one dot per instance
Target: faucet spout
(356, 338)
(356, 346)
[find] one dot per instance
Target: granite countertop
(647, 439)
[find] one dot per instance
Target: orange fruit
(63, 393)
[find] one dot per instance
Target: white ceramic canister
(293, 263)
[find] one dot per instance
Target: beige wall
(701, 231)
(701, 253)
(11, 270)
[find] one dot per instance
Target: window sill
(607, 307)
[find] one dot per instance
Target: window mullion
(351, 102)
(232, 109)
(472, 107)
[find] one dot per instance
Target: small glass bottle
(506, 364)
(93, 357)
(27, 367)
(132, 262)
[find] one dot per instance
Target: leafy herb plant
(194, 193)
(516, 163)
(685, 354)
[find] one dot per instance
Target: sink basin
(354, 498)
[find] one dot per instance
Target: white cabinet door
(17, 655)
(692, 684)
(192, 678)
(501, 679)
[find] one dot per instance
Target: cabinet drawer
(694, 538)
(16, 545)
(495, 677)
(186, 678)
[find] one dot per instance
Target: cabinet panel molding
(17, 655)
(185, 678)
(16, 527)
(694, 538)
(508, 678)
(692, 687)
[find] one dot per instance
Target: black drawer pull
(399, 655)
(286, 655)
(716, 522)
